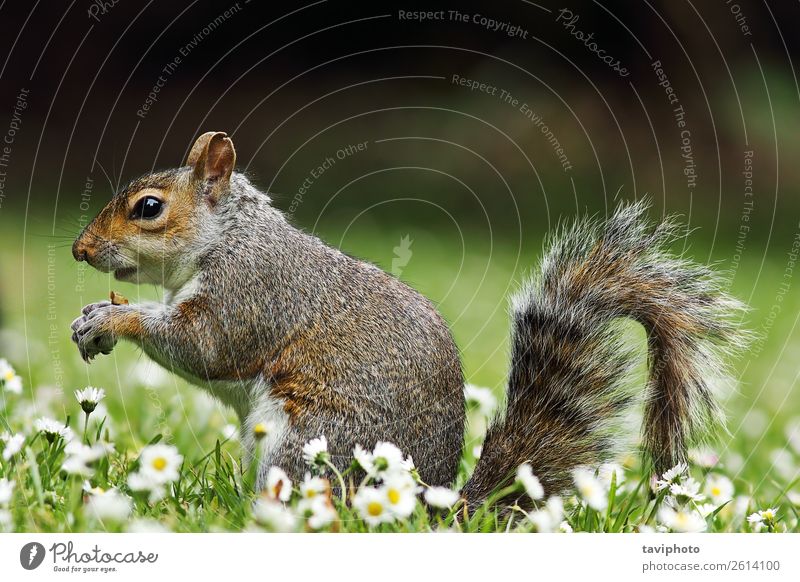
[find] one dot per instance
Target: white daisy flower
(318, 511)
(80, 458)
(481, 398)
(762, 518)
(147, 483)
(110, 506)
(274, 516)
(706, 509)
(408, 464)
(364, 459)
(372, 506)
(89, 398)
(9, 378)
(146, 526)
(53, 429)
(718, 488)
(6, 371)
(315, 452)
(230, 432)
(441, 497)
(262, 429)
(607, 471)
(591, 489)
(160, 463)
(687, 491)
(681, 520)
(671, 476)
(6, 491)
(565, 527)
(543, 521)
(704, 457)
(13, 445)
(530, 482)
(387, 458)
(14, 385)
(312, 487)
(279, 486)
(550, 517)
(401, 494)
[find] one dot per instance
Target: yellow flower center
(393, 495)
(374, 508)
(310, 493)
(715, 491)
(260, 428)
(9, 376)
(159, 463)
(768, 515)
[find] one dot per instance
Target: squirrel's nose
(79, 251)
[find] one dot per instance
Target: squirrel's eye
(147, 208)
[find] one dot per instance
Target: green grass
(42, 290)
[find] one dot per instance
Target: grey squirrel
(293, 333)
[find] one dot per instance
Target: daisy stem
(86, 428)
(339, 477)
(491, 500)
(364, 481)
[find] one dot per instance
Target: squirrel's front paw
(93, 331)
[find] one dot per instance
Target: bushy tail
(569, 383)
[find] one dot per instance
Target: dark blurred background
(294, 83)
(693, 103)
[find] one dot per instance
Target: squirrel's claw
(92, 306)
(89, 331)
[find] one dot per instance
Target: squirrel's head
(152, 229)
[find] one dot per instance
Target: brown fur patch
(128, 324)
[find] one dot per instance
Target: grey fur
(568, 390)
(286, 329)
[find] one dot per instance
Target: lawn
(158, 454)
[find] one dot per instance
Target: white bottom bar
(423, 557)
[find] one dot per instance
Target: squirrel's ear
(220, 158)
(212, 157)
(199, 148)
